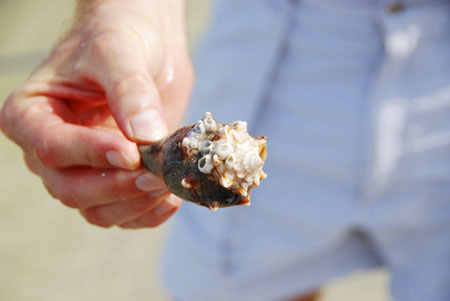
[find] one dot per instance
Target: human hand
(121, 76)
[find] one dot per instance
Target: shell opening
(202, 162)
(205, 165)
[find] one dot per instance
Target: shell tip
(214, 206)
(245, 202)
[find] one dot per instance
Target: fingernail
(117, 159)
(157, 193)
(168, 205)
(148, 182)
(148, 125)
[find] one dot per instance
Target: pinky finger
(156, 216)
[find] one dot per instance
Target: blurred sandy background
(47, 251)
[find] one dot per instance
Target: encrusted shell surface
(228, 152)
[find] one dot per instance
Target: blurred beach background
(47, 251)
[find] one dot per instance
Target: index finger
(34, 124)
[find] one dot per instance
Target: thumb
(135, 103)
(132, 95)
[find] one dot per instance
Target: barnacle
(209, 163)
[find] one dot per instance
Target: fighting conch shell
(209, 163)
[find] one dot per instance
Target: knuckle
(3, 119)
(114, 189)
(135, 81)
(7, 113)
(90, 159)
(68, 201)
(64, 197)
(43, 150)
(181, 78)
(50, 190)
(95, 217)
(62, 188)
(87, 154)
(54, 155)
(103, 44)
(31, 164)
(117, 193)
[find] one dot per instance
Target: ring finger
(122, 212)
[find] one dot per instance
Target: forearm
(84, 6)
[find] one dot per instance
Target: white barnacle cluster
(228, 152)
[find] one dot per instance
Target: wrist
(167, 17)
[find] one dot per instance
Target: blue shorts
(354, 98)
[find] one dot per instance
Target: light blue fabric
(355, 103)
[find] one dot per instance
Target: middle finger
(84, 187)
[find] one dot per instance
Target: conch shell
(209, 163)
